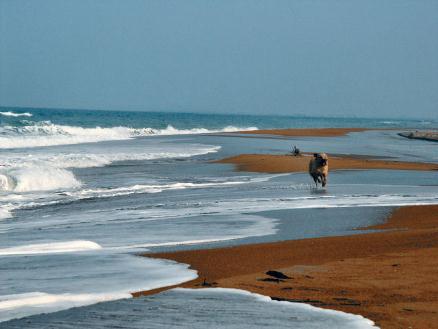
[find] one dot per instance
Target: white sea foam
(139, 188)
(50, 248)
(48, 134)
(4, 213)
(81, 160)
(20, 305)
(88, 160)
(177, 243)
(13, 114)
(7, 183)
(82, 283)
(347, 320)
(43, 299)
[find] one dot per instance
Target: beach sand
(271, 163)
(389, 277)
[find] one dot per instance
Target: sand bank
(270, 163)
(306, 132)
(389, 277)
(431, 136)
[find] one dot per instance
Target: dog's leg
(324, 181)
(315, 179)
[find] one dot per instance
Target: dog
(318, 168)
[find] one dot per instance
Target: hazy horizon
(298, 115)
(374, 59)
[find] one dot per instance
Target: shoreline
(388, 277)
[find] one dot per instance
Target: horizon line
(215, 113)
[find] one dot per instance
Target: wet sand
(389, 277)
(270, 163)
(306, 132)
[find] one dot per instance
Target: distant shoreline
(304, 132)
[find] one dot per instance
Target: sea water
(82, 192)
(193, 309)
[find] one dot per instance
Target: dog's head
(321, 158)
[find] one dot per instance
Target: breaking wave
(49, 171)
(13, 114)
(48, 134)
(38, 179)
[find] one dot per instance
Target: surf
(46, 133)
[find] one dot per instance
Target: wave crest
(46, 133)
(37, 179)
(13, 114)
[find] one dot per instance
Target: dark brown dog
(318, 168)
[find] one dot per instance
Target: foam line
(353, 320)
(48, 134)
(50, 248)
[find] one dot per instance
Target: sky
(374, 58)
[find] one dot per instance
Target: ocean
(83, 192)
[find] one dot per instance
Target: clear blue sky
(348, 58)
